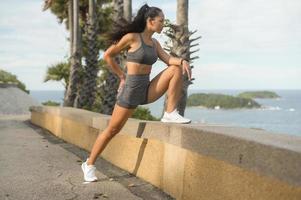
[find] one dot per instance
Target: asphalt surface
(34, 164)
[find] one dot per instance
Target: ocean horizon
(281, 115)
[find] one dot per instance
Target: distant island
(220, 101)
(259, 94)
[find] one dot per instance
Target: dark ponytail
(136, 26)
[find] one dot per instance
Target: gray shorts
(134, 92)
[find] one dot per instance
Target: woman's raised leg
(119, 117)
(170, 80)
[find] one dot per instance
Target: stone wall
(14, 101)
(194, 161)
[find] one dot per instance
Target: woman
(135, 88)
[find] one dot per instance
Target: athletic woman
(135, 87)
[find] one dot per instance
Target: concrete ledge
(197, 161)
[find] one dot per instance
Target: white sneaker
(89, 172)
(174, 117)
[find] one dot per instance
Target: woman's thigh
(159, 85)
(119, 117)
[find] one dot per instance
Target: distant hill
(217, 101)
(259, 94)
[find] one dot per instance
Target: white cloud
(247, 26)
(30, 41)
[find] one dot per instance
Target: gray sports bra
(145, 54)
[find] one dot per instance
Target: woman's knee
(176, 69)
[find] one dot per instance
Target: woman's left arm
(170, 60)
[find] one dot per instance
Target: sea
(281, 115)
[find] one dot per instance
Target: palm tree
(109, 89)
(74, 77)
(58, 72)
(63, 10)
(127, 9)
(181, 47)
(88, 90)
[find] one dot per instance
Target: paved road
(36, 165)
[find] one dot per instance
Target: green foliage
(61, 72)
(58, 72)
(223, 101)
(144, 114)
(258, 94)
(103, 14)
(6, 77)
(60, 9)
(105, 21)
(51, 103)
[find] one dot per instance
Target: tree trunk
(180, 48)
(182, 13)
(182, 21)
(71, 32)
(70, 22)
(110, 87)
(75, 60)
(128, 10)
(88, 90)
(118, 6)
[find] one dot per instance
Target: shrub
(144, 114)
(51, 103)
(6, 77)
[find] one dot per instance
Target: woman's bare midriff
(137, 68)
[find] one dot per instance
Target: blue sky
(250, 44)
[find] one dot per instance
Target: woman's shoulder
(131, 36)
(157, 43)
